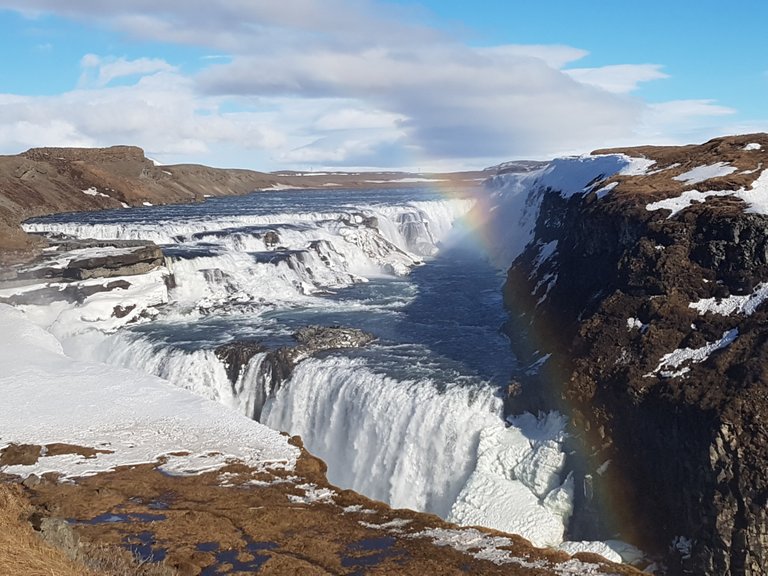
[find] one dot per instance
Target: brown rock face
(681, 445)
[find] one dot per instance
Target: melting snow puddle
(111, 518)
(238, 561)
(143, 545)
(371, 552)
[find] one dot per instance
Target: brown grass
(24, 553)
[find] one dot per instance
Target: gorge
(634, 306)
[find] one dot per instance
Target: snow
(145, 203)
(746, 304)
(283, 187)
(605, 190)
(546, 251)
(312, 495)
(679, 203)
(492, 548)
(756, 198)
(702, 173)
(393, 525)
(94, 192)
(636, 166)
(678, 357)
(600, 548)
(633, 323)
(137, 418)
(659, 170)
(573, 175)
(516, 197)
(753, 146)
(516, 486)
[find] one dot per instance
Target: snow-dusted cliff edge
(640, 306)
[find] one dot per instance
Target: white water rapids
(416, 419)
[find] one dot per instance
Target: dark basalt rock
(278, 364)
(672, 462)
(236, 355)
(140, 260)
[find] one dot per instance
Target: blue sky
(433, 84)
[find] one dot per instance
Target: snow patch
(702, 173)
(753, 146)
(600, 548)
(517, 486)
(605, 190)
(145, 203)
(733, 304)
(94, 192)
(312, 495)
(492, 548)
(138, 418)
(756, 198)
(678, 357)
(546, 251)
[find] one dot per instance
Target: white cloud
(620, 78)
(160, 113)
(334, 82)
(109, 69)
(554, 55)
(357, 118)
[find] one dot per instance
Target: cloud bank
(332, 83)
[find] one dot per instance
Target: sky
(399, 84)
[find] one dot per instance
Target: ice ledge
(133, 418)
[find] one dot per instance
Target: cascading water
(406, 442)
(415, 419)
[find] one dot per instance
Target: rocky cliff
(646, 289)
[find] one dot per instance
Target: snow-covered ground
(702, 173)
(756, 197)
(134, 418)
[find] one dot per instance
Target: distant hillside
(51, 180)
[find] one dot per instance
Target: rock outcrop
(279, 363)
(658, 333)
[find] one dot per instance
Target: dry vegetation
(23, 552)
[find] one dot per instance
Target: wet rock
(236, 355)
(140, 260)
(278, 364)
(317, 338)
(271, 239)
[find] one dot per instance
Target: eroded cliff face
(655, 320)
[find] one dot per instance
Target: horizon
(423, 86)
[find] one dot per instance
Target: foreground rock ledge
(277, 523)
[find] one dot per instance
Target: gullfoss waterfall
(414, 419)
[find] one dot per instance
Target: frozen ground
(133, 418)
